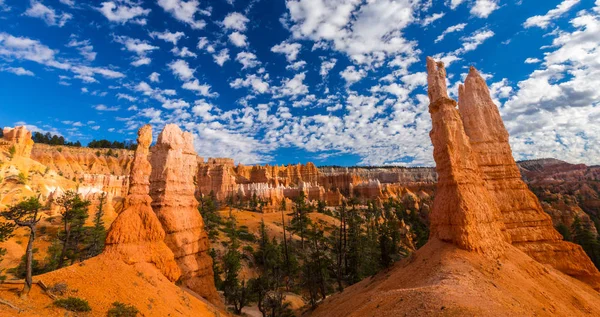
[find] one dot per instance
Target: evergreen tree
(582, 235)
(74, 213)
(6, 231)
(208, 208)
(300, 220)
(236, 293)
(25, 214)
(564, 231)
(98, 232)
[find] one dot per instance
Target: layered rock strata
(20, 139)
(530, 228)
(137, 235)
(464, 213)
(172, 189)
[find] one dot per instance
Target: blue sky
(329, 81)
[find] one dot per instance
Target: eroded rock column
(137, 235)
(21, 140)
(463, 211)
(172, 190)
(530, 228)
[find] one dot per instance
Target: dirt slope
(443, 280)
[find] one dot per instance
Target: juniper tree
(25, 214)
(6, 231)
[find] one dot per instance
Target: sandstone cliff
(174, 164)
(20, 139)
(136, 235)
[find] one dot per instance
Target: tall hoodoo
(174, 164)
(136, 235)
(463, 211)
(530, 228)
(20, 138)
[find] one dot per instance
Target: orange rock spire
(174, 164)
(136, 235)
(530, 228)
(463, 211)
(20, 138)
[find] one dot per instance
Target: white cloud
(200, 89)
(123, 12)
(141, 61)
(38, 10)
(532, 60)
(84, 48)
(184, 52)
(181, 69)
(235, 21)
(451, 29)
(326, 66)
(247, 59)
(432, 18)
(238, 39)
(139, 47)
(126, 97)
(184, 11)
(293, 87)
(20, 71)
(154, 77)
(70, 3)
(167, 36)
(368, 31)
(483, 8)
(102, 107)
(257, 84)
(352, 75)
(24, 48)
(542, 21)
(296, 66)
(477, 38)
(222, 57)
(290, 50)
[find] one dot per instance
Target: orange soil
(442, 280)
(102, 281)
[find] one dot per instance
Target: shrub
(21, 179)
(73, 304)
(122, 310)
(12, 151)
(58, 288)
(59, 150)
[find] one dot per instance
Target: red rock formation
(20, 138)
(136, 235)
(174, 164)
(530, 228)
(464, 213)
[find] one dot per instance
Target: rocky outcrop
(464, 213)
(74, 162)
(136, 235)
(20, 139)
(174, 163)
(530, 228)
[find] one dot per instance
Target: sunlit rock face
(530, 228)
(136, 235)
(20, 139)
(174, 164)
(463, 212)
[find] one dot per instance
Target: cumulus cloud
(154, 77)
(531, 60)
(123, 12)
(247, 59)
(543, 21)
(238, 39)
(432, 18)
(167, 36)
(49, 15)
(222, 57)
(290, 50)
(102, 107)
(326, 66)
(483, 8)
(352, 75)
(200, 89)
(184, 11)
(84, 47)
(235, 21)
(181, 69)
(254, 82)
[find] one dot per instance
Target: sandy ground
(442, 280)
